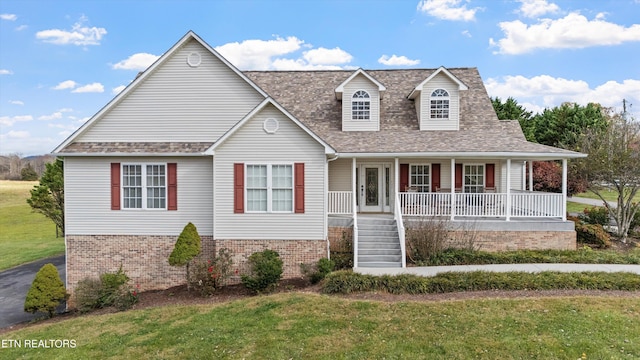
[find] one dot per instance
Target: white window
(419, 178)
(144, 186)
(361, 106)
(473, 178)
(439, 104)
(269, 188)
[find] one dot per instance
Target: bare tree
(613, 163)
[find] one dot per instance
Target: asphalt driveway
(14, 285)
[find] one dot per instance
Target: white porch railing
(397, 215)
(340, 202)
(523, 204)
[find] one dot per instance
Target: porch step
(378, 243)
(366, 252)
(388, 245)
(380, 264)
(383, 233)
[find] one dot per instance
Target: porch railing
(340, 202)
(523, 204)
(397, 215)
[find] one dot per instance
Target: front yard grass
(311, 326)
(24, 235)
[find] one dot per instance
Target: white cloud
(90, 88)
(258, 54)
(300, 64)
(543, 91)
(16, 102)
(18, 134)
(466, 33)
(68, 84)
(535, 8)
(6, 72)
(56, 115)
(10, 120)
(22, 27)
(10, 17)
(447, 10)
(571, 31)
(118, 89)
(139, 61)
(79, 35)
(395, 60)
(322, 56)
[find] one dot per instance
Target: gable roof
(190, 35)
(441, 69)
(309, 97)
(268, 101)
(340, 89)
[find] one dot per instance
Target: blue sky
(62, 61)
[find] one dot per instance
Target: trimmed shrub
(345, 282)
(47, 291)
(188, 246)
(317, 271)
(593, 235)
(110, 290)
(209, 275)
(595, 215)
(266, 271)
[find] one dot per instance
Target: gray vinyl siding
(360, 82)
(179, 103)
(440, 81)
(252, 145)
(516, 175)
(340, 175)
(88, 199)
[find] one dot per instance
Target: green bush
(209, 275)
(341, 251)
(317, 271)
(345, 282)
(188, 246)
(266, 271)
(110, 290)
(595, 215)
(593, 234)
(46, 293)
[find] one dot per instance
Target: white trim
(441, 69)
(466, 155)
(269, 188)
(211, 151)
(151, 69)
(363, 100)
(340, 89)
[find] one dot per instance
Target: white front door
(373, 186)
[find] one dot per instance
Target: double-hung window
(440, 104)
(473, 178)
(144, 186)
(419, 178)
(361, 105)
(269, 188)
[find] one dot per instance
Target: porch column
(396, 182)
(564, 189)
(531, 175)
(508, 189)
(355, 213)
(453, 188)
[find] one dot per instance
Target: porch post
(354, 210)
(508, 189)
(453, 188)
(531, 175)
(564, 189)
(396, 182)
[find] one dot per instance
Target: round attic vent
(270, 125)
(194, 59)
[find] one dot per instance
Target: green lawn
(310, 326)
(608, 195)
(24, 235)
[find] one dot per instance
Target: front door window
(372, 197)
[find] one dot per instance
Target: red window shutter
(490, 175)
(115, 186)
(458, 182)
(299, 187)
(435, 177)
(172, 186)
(404, 177)
(238, 188)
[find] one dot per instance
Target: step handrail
(397, 215)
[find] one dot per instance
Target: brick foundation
(145, 258)
(523, 240)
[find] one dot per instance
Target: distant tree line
(16, 167)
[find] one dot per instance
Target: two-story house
(288, 160)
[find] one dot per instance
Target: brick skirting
(144, 258)
(524, 240)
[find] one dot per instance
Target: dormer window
(440, 104)
(361, 105)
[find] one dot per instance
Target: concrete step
(378, 246)
(377, 228)
(380, 251)
(380, 264)
(372, 222)
(375, 238)
(390, 234)
(379, 258)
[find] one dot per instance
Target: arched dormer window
(440, 104)
(361, 106)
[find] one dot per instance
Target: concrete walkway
(592, 202)
(530, 268)
(14, 285)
